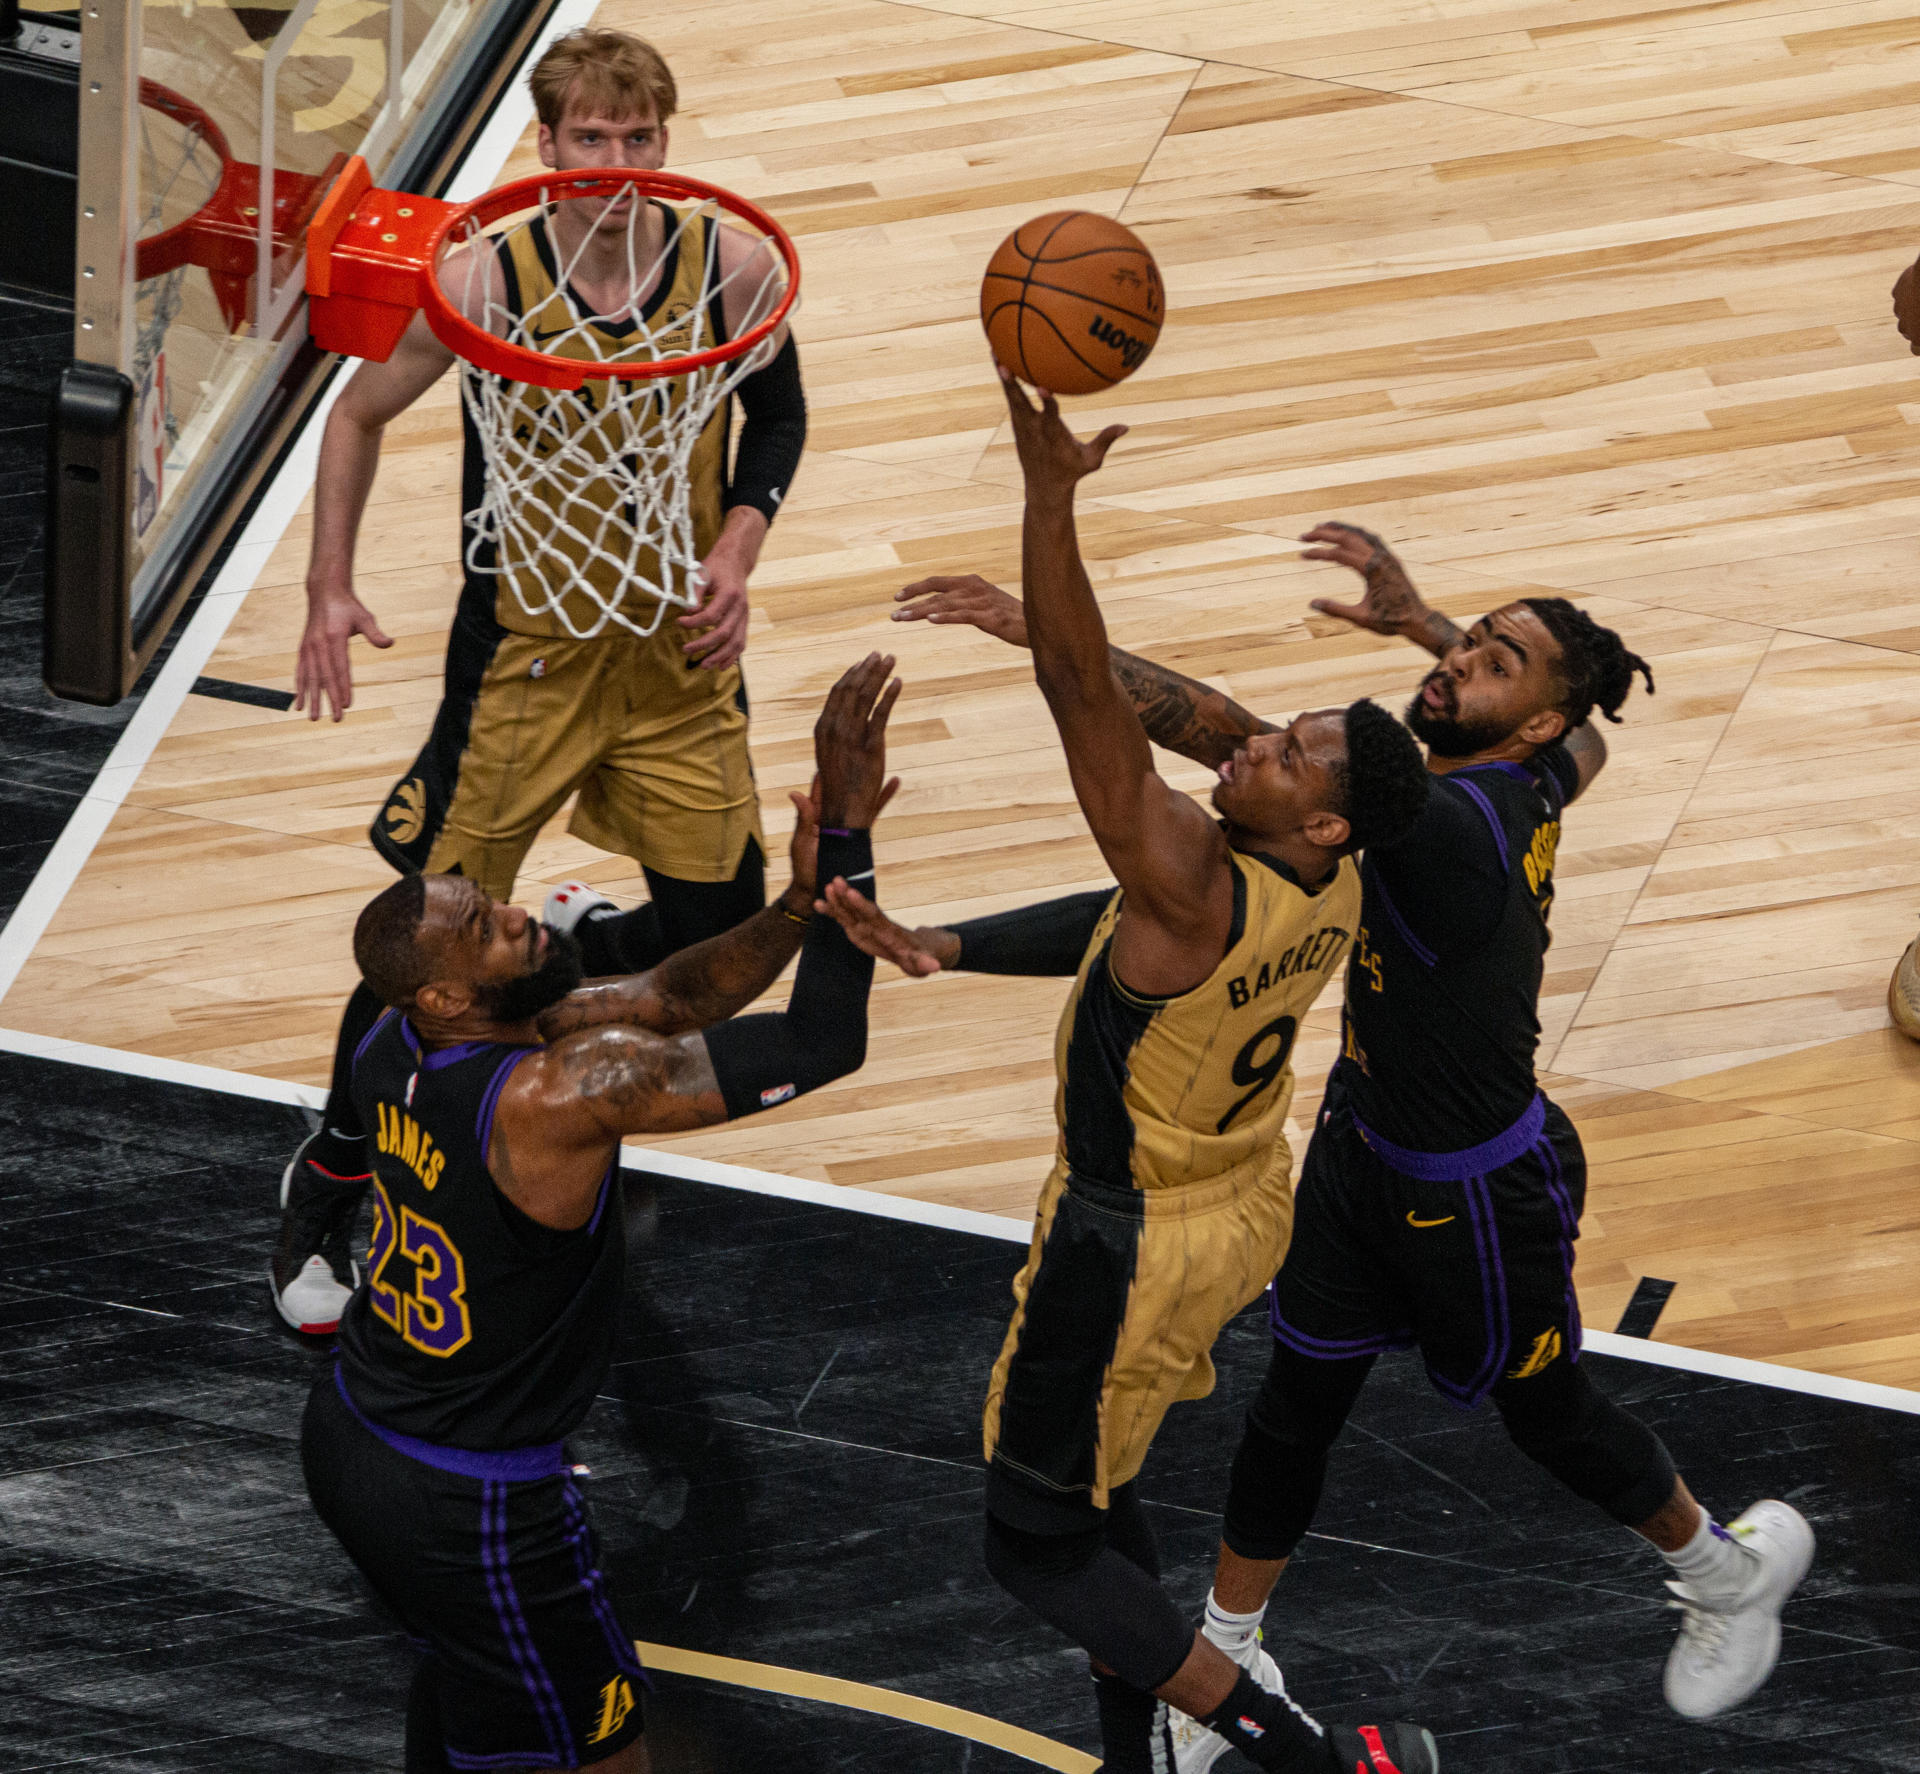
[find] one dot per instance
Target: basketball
(1072, 302)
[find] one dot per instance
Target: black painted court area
(787, 1471)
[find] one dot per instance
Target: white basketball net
(587, 508)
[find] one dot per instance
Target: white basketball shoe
(1195, 1748)
(1729, 1641)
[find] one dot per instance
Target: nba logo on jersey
(538, 669)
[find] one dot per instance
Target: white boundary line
(195, 647)
(924, 1213)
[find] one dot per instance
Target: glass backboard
(209, 133)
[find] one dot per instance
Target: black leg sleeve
(1098, 1597)
(1281, 1466)
(1560, 1419)
(340, 1122)
(1128, 1532)
(678, 914)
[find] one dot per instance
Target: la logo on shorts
(616, 1701)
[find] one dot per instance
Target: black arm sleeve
(1049, 938)
(822, 1034)
(773, 430)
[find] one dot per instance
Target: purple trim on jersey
(483, 1122)
(508, 1465)
(594, 1582)
(513, 1758)
(447, 1056)
(366, 1040)
(513, 1625)
(1493, 818)
(1332, 1349)
(1458, 1167)
(1421, 952)
(600, 1206)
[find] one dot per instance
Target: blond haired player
(651, 730)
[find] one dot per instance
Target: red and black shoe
(1383, 1749)
(313, 1274)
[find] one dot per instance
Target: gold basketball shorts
(657, 752)
(1116, 1313)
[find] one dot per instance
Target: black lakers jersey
(1443, 994)
(1159, 1093)
(473, 1326)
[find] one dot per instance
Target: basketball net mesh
(587, 506)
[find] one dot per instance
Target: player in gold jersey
(650, 730)
(1169, 1204)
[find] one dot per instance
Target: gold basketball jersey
(560, 511)
(1163, 1093)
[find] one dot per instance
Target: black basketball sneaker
(1383, 1749)
(313, 1274)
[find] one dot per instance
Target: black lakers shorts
(1476, 1268)
(495, 1571)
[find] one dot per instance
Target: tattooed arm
(1178, 712)
(1390, 605)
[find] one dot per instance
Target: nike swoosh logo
(1411, 1221)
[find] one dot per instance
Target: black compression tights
(1101, 1587)
(1558, 1418)
(677, 915)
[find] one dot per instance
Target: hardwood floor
(1587, 299)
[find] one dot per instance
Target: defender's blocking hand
(964, 598)
(1390, 604)
(850, 744)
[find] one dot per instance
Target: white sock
(1713, 1562)
(1234, 1634)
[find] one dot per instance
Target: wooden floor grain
(1589, 298)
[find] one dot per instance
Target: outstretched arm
(1047, 940)
(1166, 853)
(1390, 605)
(1178, 712)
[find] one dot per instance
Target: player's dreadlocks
(386, 942)
(1383, 784)
(1595, 666)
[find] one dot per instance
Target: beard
(519, 1000)
(1441, 730)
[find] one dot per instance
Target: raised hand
(850, 744)
(915, 952)
(1390, 604)
(1051, 457)
(965, 598)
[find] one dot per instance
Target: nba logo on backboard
(150, 444)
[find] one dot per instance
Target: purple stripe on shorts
(513, 1627)
(1557, 1188)
(1325, 1349)
(1475, 1161)
(511, 1759)
(483, 1122)
(595, 1584)
(1493, 1286)
(1493, 818)
(1421, 953)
